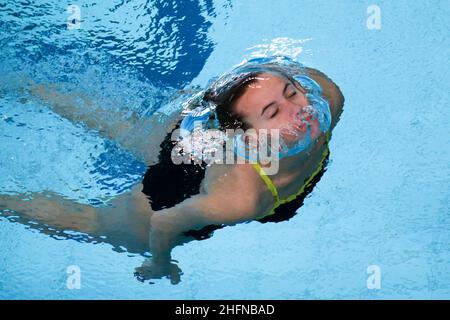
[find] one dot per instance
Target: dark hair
(225, 100)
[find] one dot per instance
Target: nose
(294, 109)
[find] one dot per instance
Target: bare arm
(229, 197)
(127, 214)
(141, 136)
(331, 92)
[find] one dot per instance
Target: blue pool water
(383, 201)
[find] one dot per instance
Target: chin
(315, 129)
(292, 139)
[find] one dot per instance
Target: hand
(154, 269)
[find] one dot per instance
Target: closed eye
(273, 114)
(272, 104)
(276, 111)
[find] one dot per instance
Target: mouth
(299, 129)
(302, 124)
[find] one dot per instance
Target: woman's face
(274, 102)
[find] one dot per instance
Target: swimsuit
(277, 201)
(167, 184)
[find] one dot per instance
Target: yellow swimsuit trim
(274, 190)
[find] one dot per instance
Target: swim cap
(200, 116)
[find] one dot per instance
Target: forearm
(53, 210)
(78, 107)
(168, 225)
(179, 219)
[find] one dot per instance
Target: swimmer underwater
(179, 202)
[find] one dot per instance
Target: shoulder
(231, 177)
(238, 186)
(330, 91)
